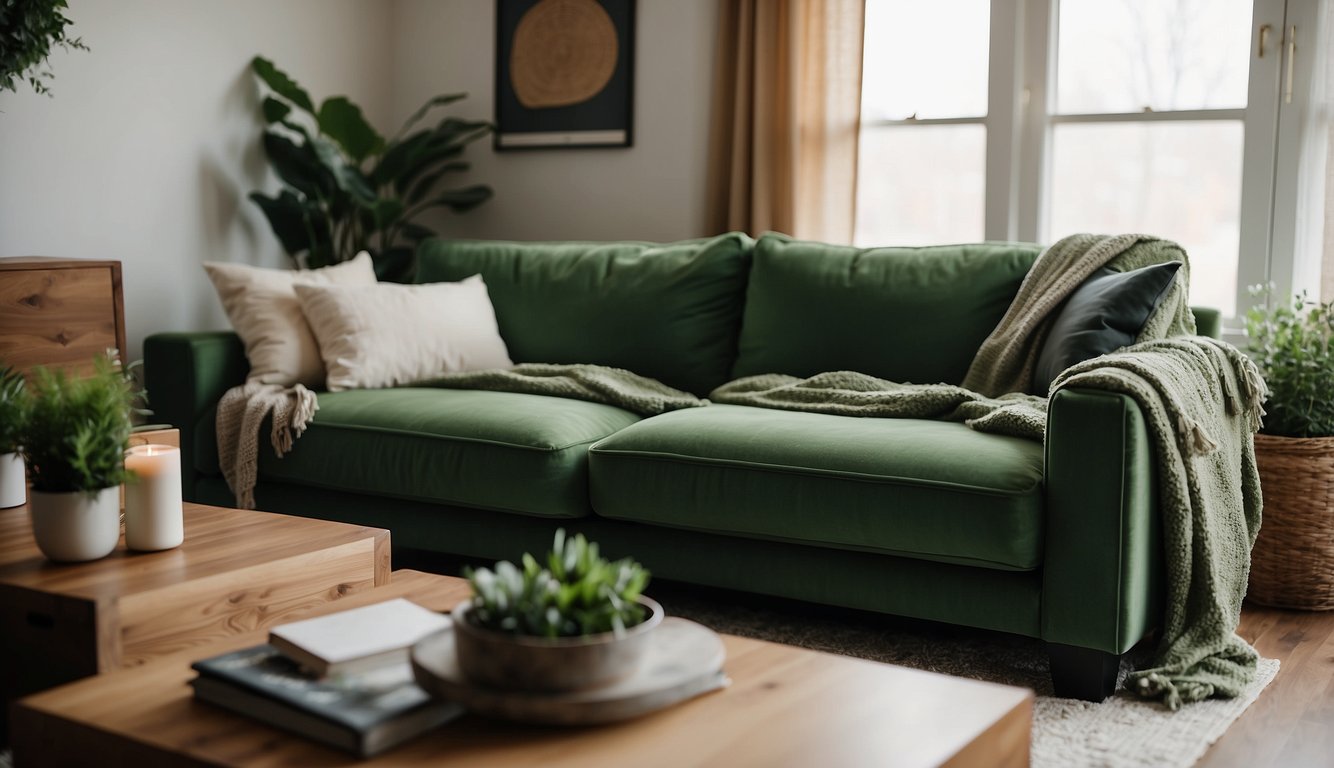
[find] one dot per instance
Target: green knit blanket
(1201, 399)
(594, 383)
(845, 393)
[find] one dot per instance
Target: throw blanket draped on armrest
(241, 412)
(1202, 401)
(594, 383)
(846, 393)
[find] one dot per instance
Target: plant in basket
(1292, 564)
(577, 621)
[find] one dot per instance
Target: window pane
(1181, 181)
(920, 184)
(925, 59)
(1125, 55)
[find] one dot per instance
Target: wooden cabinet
(59, 312)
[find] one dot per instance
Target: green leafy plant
(28, 31)
(1291, 343)
(77, 428)
(577, 593)
(346, 187)
(13, 408)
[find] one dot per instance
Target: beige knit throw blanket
(1006, 359)
(241, 414)
(1202, 400)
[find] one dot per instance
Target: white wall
(651, 191)
(150, 143)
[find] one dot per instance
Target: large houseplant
(74, 442)
(13, 415)
(575, 621)
(1292, 564)
(29, 29)
(347, 188)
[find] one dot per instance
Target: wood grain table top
(785, 706)
(217, 541)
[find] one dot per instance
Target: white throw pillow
(386, 335)
(265, 313)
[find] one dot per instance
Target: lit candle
(153, 517)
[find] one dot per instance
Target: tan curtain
(786, 106)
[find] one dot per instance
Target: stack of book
(342, 679)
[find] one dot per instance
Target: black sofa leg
(1082, 673)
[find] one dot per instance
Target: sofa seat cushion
(525, 454)
(925, 489)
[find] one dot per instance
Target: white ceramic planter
(13, 483)
(75, 527)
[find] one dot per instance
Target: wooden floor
(1292, 723)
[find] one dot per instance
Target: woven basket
(1292, 565)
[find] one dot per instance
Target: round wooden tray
(684, 660)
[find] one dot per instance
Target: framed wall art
(564, 73)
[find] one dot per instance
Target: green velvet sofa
(925, 519)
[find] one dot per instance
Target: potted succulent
(577, 622)
(13, 415)
(1292, 563)
(74, 442)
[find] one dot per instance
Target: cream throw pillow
(265, 313)
(386, 335)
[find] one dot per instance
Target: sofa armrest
(1102, 564)
(185, 375)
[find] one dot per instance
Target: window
(1034, 119)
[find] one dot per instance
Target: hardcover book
(357, 640)
(363, 714)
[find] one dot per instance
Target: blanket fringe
(1198, 441)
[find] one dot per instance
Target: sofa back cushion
(668, 311)
(904, 314)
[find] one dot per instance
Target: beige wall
(651, 191)
(149, 146)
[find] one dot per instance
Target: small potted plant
(579, 622)
(13, 415)
(1292, 563)
(74, 442)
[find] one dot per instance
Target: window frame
(1021, 116)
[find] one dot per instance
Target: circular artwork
(564, 53)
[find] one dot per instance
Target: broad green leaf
(274, 110)
(435, 101)
(282, 84)
(461, 200)
(387, 212)
(286, 215)
(297, 165)
(425, 184)
(342, 121)
(398, 157)
(348, 177)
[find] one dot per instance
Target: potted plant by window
(579, 622)
(74, 442)
(13, 414)
(1292, 564)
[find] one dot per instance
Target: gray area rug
(1067, 733)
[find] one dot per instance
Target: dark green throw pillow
(1104, 314)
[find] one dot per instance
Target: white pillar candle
(153, 517)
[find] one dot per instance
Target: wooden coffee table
(786, 706)
(237, 571)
